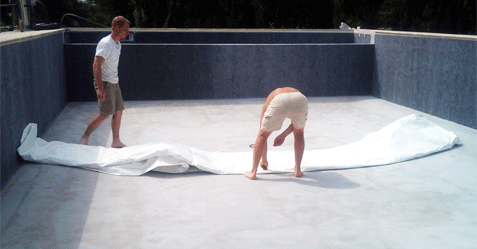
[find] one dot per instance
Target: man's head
(120, 27)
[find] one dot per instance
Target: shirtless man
(282, 103)
(105, 69)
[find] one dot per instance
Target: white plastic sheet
(405, 139)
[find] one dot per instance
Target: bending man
(282, 103)
(105, 69)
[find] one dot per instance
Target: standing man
(282, 103)
(105, 69)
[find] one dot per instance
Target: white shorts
(292, 105)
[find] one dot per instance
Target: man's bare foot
(83, 141)
(251, 175)
(264, 164)
(298, 174)
(118, 145)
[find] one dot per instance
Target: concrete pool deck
(429, 202)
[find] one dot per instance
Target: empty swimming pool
(428, 202)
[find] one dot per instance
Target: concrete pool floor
(429, 202)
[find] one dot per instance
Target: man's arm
(98, 77)
(281, 138)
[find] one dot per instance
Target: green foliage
(446, 16)
(56, 9)
(441, 16)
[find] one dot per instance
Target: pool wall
(435, 74)
(33, 90)
(214, 65)
(152, 36)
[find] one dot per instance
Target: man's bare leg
(264, 162)
(299, 149)
(115, 124)
(258, 152)
(92, 126)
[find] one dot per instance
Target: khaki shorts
(113, 101)
(292, 105)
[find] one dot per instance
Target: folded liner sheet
(407, 138)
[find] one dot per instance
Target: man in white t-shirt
(105, 70)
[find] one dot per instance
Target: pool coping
(7, 38)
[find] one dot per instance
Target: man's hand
(101, 95)
(279, 140)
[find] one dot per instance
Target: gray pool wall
(221, 65)
(435, 75)
(33, 90)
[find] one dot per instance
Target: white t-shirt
(110, 51)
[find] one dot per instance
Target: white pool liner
(407, 138)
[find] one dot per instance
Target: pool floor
(429, 202)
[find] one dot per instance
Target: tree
(56, 10)
(446, 16)
(103, 11)
(150, 13)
